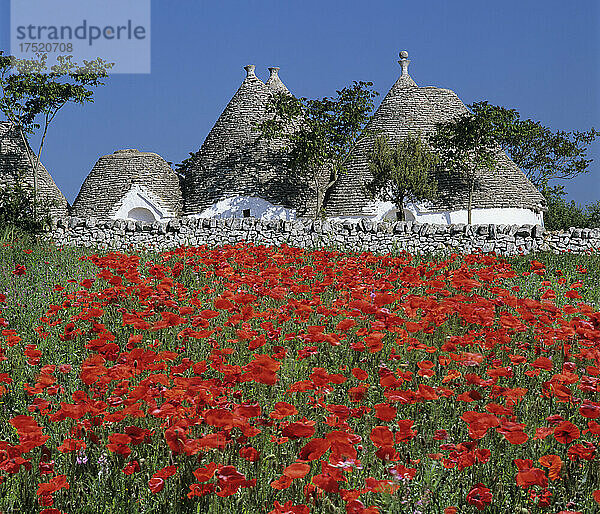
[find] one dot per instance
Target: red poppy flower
(382, 436)
(357, 394)
(580, 451)
(283, 482)
(531, 476)
(590, 410)
(387, 453)
(554, 464)
(345, 324)
(249, 453)
(282, 410)
(543, 432)
(19, 270)
(402, 472)
(385, 412)
(131, 467)
(299, 429)
(542, 363)
(405, 432)
(156, 484)
(566, 432)
(440, 435)
(296, 470)
(314, 449)
(204, 474)
(374, 342)
(326, 482)
(55, 483)
(479, 496)
(289, 508)
(200, 490)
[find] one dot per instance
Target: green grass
(29, 297)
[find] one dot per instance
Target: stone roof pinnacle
(404, 62)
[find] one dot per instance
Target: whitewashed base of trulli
(419, 212)
(247, 206)
(139, 204)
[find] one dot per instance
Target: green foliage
(29, 90)
(402, 172)
(320, 135)
(18, 209)
(563, 214)
(465, 146)
(542, 154)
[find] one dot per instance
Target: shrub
(563, 214)
(19, 208)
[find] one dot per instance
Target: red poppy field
(278, 380)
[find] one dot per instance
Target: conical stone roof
(235, 161)
(275, 83)
(408, 108)
(13, 156)
(114, 175)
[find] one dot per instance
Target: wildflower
(81, 457)
(19, 270)
(566, 432)
(479, 496)
(103, 464)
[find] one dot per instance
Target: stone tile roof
(115, 174)
(13, 155)
(233, 160)
(410, 108)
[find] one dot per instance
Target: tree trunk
(322, 192)
(400, 216)
(320, 195)
(33, 164)
(35, 168)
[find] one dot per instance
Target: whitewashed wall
(419, 212)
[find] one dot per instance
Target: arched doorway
(393, 215)
(141, 214)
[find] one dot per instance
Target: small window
(246, 213)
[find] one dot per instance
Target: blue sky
(538, 57)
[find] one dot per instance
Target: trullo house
(14, 160)
(236, 173)
(503, 196)
(129, 184)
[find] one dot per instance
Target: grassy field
(278, 380)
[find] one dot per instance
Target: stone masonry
(365, 235)
(14, 157)
(408, 108)
(114, 175)
(234, 160)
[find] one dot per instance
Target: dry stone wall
(363, 235)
